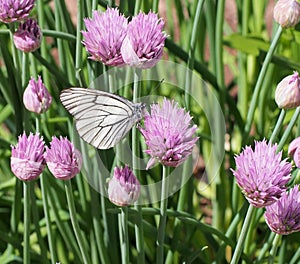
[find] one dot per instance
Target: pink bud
(287, 94)
(287, 13)
(28, 36)
(36, 97)
(124, 187)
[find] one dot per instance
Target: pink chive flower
(15, 10)
(168, 134)
(287, 13)
(123, 187)
(294, 151)
(36, 97)
(28, 36)
(104, 36)
(145, 40)
(63, 160)
(27, 160)
(283, 216)
(261, 174)
(287, 93)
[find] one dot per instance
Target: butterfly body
(102, 119)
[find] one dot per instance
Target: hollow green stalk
(79, 237)
(274, 248)
(139, 232)
(26, 235)
(288, 129)
(242, 237)
(163, 217)
(278, 125)
(185, 190)
(78, 57)
(123, 233)
(259, 83)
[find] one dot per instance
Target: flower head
(104, 36)
(27, 160)
(283, 216)
(123, 187)
(287, 13)
(36, 97)
(168, 134)
(261, 174)
(145, 40)
(63, 160)
(15, 10)
(294, 151)
(28, 36)
(287, 94)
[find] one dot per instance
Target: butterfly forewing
(102, 119)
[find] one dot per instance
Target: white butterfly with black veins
(102, 119)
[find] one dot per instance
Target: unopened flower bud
(287, 13)
(28, 36)
(124, 187)
(36, 97)
(287, 94)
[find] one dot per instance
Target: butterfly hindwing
(102, 119)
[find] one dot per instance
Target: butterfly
(102, 119)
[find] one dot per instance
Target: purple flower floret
(15, 10)
(123, 187)
(145, 40)
(104, 36)
(283, 216)
(168, 134)
(27, 160)
(63, 160)
(28, 36)
(261, 174)
(36, 97)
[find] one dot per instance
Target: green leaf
(246, 44)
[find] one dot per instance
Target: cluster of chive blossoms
(15, 10)
(263, 176)
(168, 134)
(28, 36)
(114, 41)
(29, 156)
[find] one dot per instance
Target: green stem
(163, 217)
(78, 60)
(274, 248)
(258, 85)
(288, 129)
(79, 237)
(242, 237)
(139, 232)
(46, 207)
(219, 205)
(44, 52)
(47, 218)
(266, 247)
(26, 235)
(278, 125)
(36, 218)
(123, 232)
(185, 190)
(137, 7)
